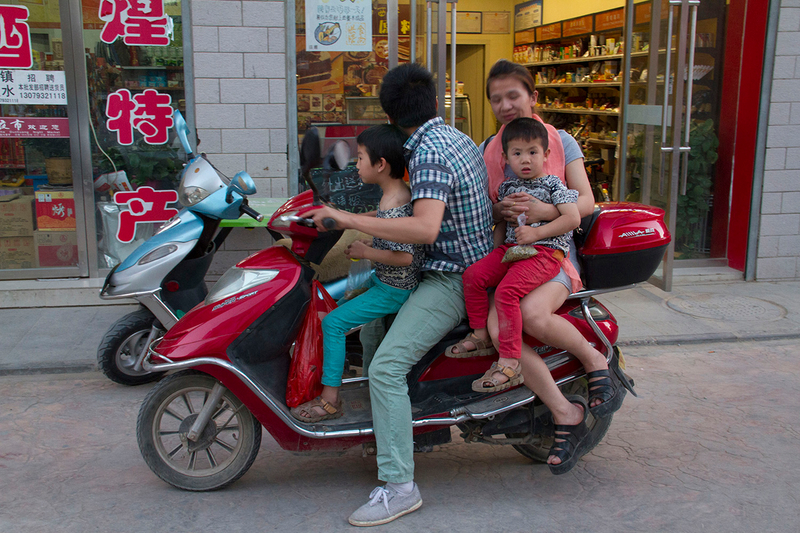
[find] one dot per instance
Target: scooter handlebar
(329, 223)
(247, 210)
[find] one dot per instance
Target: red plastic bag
(305, 370)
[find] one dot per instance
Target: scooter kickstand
(207, 410)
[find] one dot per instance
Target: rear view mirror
(182, 129)
(310, 153)
(243, 184)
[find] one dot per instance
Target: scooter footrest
(485, 407)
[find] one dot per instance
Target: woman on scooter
(511, 93)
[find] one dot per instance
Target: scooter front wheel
(121, 346)
(225, 448)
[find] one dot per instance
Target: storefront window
(338, 77)
(37, 206)
(134, 63)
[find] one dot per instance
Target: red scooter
(200, 428)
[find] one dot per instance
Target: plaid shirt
(444, 164)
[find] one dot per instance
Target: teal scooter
(166, 273)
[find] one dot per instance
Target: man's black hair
(408, 95)
(385, 141)
(525, 128)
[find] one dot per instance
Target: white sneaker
(385, 505)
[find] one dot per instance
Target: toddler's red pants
(513, 281)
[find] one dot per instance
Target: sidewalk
(65, 339)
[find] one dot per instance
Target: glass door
(656, 120)
(40, 206)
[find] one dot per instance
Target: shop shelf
(578, 111)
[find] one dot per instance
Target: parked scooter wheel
(225, 448)
(121, 346)
(539, 450)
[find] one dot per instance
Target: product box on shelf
(17, 252)
(55, 210)
(16, 217)
(56, 248)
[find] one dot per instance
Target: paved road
(711, 445)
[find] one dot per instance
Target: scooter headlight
(236, 280)
(158, 253)
(284, 220)
(189, 196)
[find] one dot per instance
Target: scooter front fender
(133, 276)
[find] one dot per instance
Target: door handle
(686, 148)
(665, 108)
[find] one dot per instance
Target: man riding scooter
(452, 219)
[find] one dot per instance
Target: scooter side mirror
(182, 129)
(310, 153)
(338, 156)
(243, 184)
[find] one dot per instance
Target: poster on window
(15, 38)
(37, 87)
(339, 25)
(27, 127)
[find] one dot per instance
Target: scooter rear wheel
(121, 346)
(225, 449)
(539, 451)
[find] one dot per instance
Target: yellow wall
(496, 47)
(555, 10)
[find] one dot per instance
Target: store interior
(575, 53)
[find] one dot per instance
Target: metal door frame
(674, 153)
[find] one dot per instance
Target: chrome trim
(152, 301)
(595, 292)
(587, 315)
(457, 415)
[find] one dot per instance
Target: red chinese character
(153, 116)
(146, 8)
(15, 38)
(149, 112)
(113, 13)
(119, 110)
(140, 31)
(145, 205)
(139, 22)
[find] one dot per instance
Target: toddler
(525, 149)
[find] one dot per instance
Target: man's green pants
(435, 308)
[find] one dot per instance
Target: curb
(702, 338)
(664, 340)
(66, 368)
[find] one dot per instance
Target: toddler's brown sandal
(482, 347)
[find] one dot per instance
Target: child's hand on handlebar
(325, 212)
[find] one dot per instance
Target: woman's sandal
(575, 441)
(514, 376)
(482, 347)
(334, 411)
(603, 387)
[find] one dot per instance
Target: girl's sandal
(514, 376)
(482, 347)
(333, 411)
(571, 442)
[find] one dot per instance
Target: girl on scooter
(511, 93)
(380, 160)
